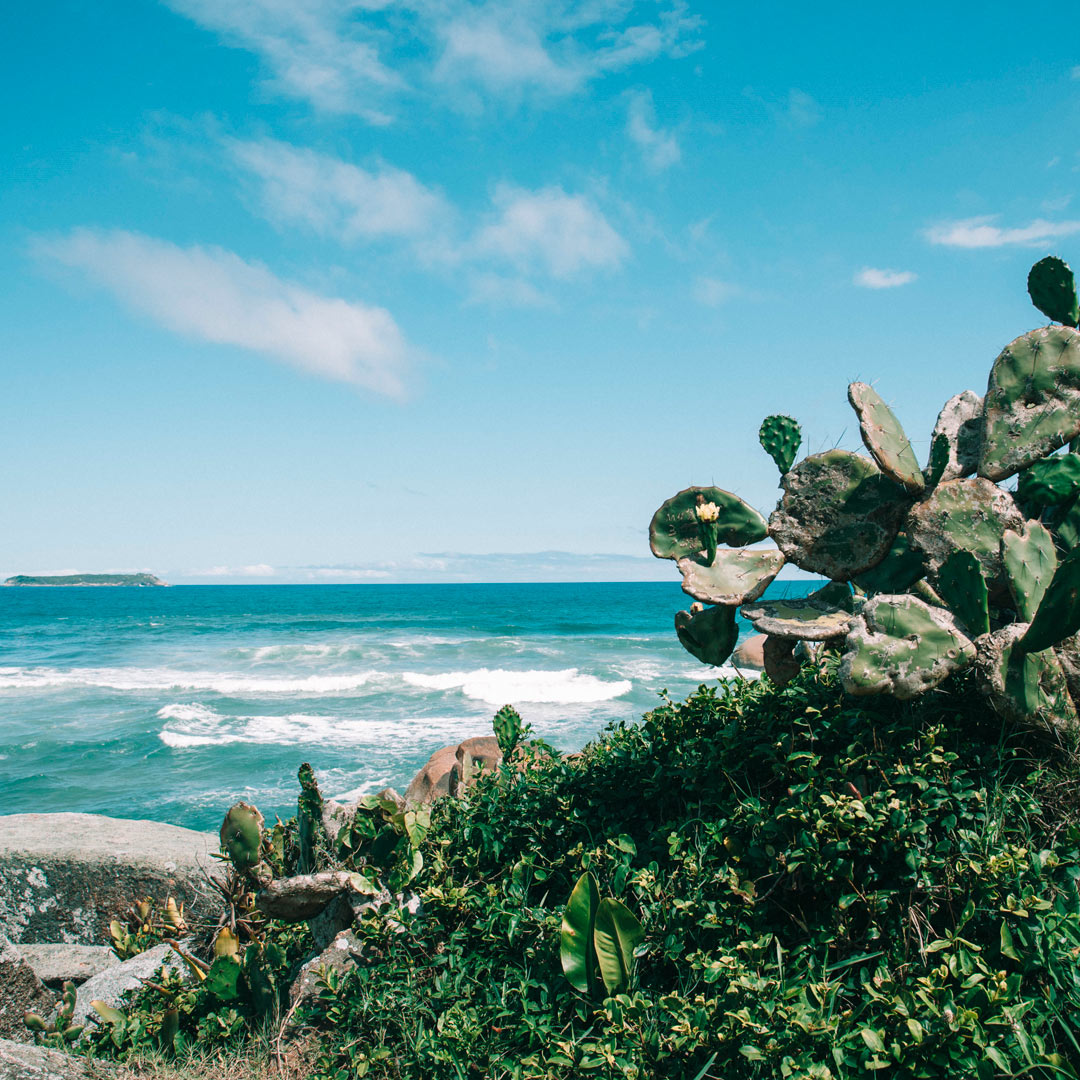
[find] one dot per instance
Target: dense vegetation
(828, 887)
(86, 579)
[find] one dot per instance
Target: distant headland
(87, 579)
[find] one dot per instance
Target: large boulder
(55, 965)
(20, 991)
(21, 1062)
(750, 653)
(476, 756)
(64, 876)
(437, 778)
(110, 985)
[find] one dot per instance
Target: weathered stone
(63, 877)
(111, 984)
(749, 654)
(435, 778)
(839, 514)
(20, 990)
(736, 575)
(965, 515)
(1032, 403)
(58, 964)
(476, 756)
(304, 896)
(21, 1062)
(339, 955)
(960, 424)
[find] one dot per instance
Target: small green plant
(59, 1033)
(146, 924)
(598, 940)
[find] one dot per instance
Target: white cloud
(260, 570)
(802, 110)
(712, 292)
(358, 56)
(981, 232)
(333, 197)
(216, 296)
(659, 148)
(561, 233)
(498, 291)
(870, 277)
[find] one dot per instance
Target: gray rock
(20, 990)
(21, 1062)
(59, 964)
(339, 955)
(110, 985)
(64, 876)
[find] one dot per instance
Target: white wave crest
(166, 679)
(497, 686)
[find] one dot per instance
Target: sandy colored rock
(20, 990)
(64, 876)
(749, 653)
(434, 779)
(476, 756)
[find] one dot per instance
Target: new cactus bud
(1053, 291)
(241, 836)
(883, 436)
(780, 438)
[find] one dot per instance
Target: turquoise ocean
(172, 703)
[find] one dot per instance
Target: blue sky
(311, 290)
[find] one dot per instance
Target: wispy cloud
(360, 56)
(255, 570)
(659, 148)
(712, 292)
(982, 232)
(563, 234)
(333, 197)
(801, 109)
(498, 291)
(870, 277)
(214, 295)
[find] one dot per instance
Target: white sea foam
(497, 686)
(233, 684)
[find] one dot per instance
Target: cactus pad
(1053, 481)
(960, 424)
(241, 836)
(962, 587)
(964, 515)
(674, 532)
(1053, 290)
(1032, 403)
(897, 572)
(781, 663)
(1058, 615)
(1030, 561)
(883, 436)
(709, 633)
(735, 576)
(820, 616)
(780, 437)
(1028, 686)
(902, 646)
(839, 514)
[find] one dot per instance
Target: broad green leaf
(873, 1040)
(107, 1012)
(575, 947)
(1007, 947)
(222, 977)
(616, 934)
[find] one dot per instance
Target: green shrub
(828, 888)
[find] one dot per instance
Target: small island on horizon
(141, 580)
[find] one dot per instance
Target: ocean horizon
(170, 704)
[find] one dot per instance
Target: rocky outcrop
(750, 653)
(110, 985)
(64, 876)
(452, 768)
(55, 965)
(21, 1062)
(20, 990)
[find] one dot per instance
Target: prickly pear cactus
(839, 514)
(734, 576)
(1053, 290)
(1032, 403)
(241, 836)
(780, 438)
(932, 570)
(883, 436)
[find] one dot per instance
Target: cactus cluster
(932, 570)
(59, 1033)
